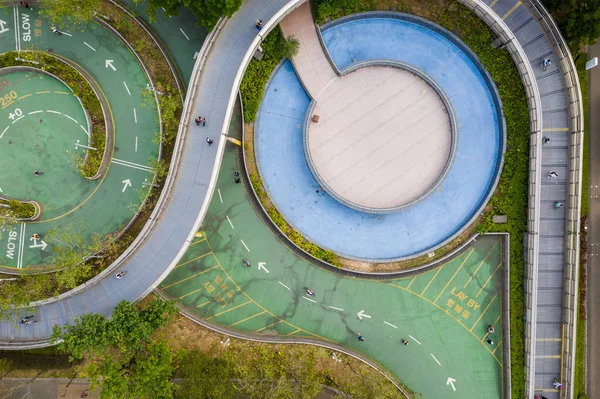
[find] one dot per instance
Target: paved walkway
(310, 62)
(548, 317)
(593, 259)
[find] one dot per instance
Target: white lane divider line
(391, 325)
(20, 117)
(21, 247)
(136, 139)
(73, 119)
(34, 112)
(220, 197)
(437, 361)
(86, 132)
(68, 34)
(134, 115)
(229, 220)
(289, 289)
(53, 112)
(245, 246)
(127, 88)
(4, 131)
(186, 36)
(308, 299)
(414, 339)
(132, 165)
(89, 46)
(333, 307)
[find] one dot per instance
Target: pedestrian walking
(198, 120)
(27, 320)
(545, 140)
(556, 384)
(490, 329)
(36, 236)
(405, 342)
(37, 172)
(558, 205)
(489, 341)
(546, 62)
(26, 5)
(237, 180)
(85, 393)
(55, 30)
(259, 24)
(360, 337)
(209, 141)
(552, 174)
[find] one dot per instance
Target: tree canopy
(121, 354)
(579, 20)
(69, 12)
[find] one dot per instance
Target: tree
(73, 253)
(290, 47)
(207, 378)
(121, 354)
(579, 20)
(69, 12)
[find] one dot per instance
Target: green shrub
(17, 209)
(258, 73)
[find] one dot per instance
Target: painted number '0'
(3, 27)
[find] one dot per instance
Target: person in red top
(26, 5)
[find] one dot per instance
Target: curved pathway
(104, 206)
(153, 256)
(548, 333)
(220, 78)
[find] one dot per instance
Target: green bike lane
(179, 34)
(442, 313)
(115, 197)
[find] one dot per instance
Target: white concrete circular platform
(384, 138)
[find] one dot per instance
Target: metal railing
(523, 65)
(573, 212)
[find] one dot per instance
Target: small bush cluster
(17, 209)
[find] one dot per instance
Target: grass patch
(89, 165)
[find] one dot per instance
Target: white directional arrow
(109, 63)
(127, 183)
(261, 265)
(42, 244)
(451, 382)
(362, 314)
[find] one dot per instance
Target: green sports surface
(442, 313)
(46, 140)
